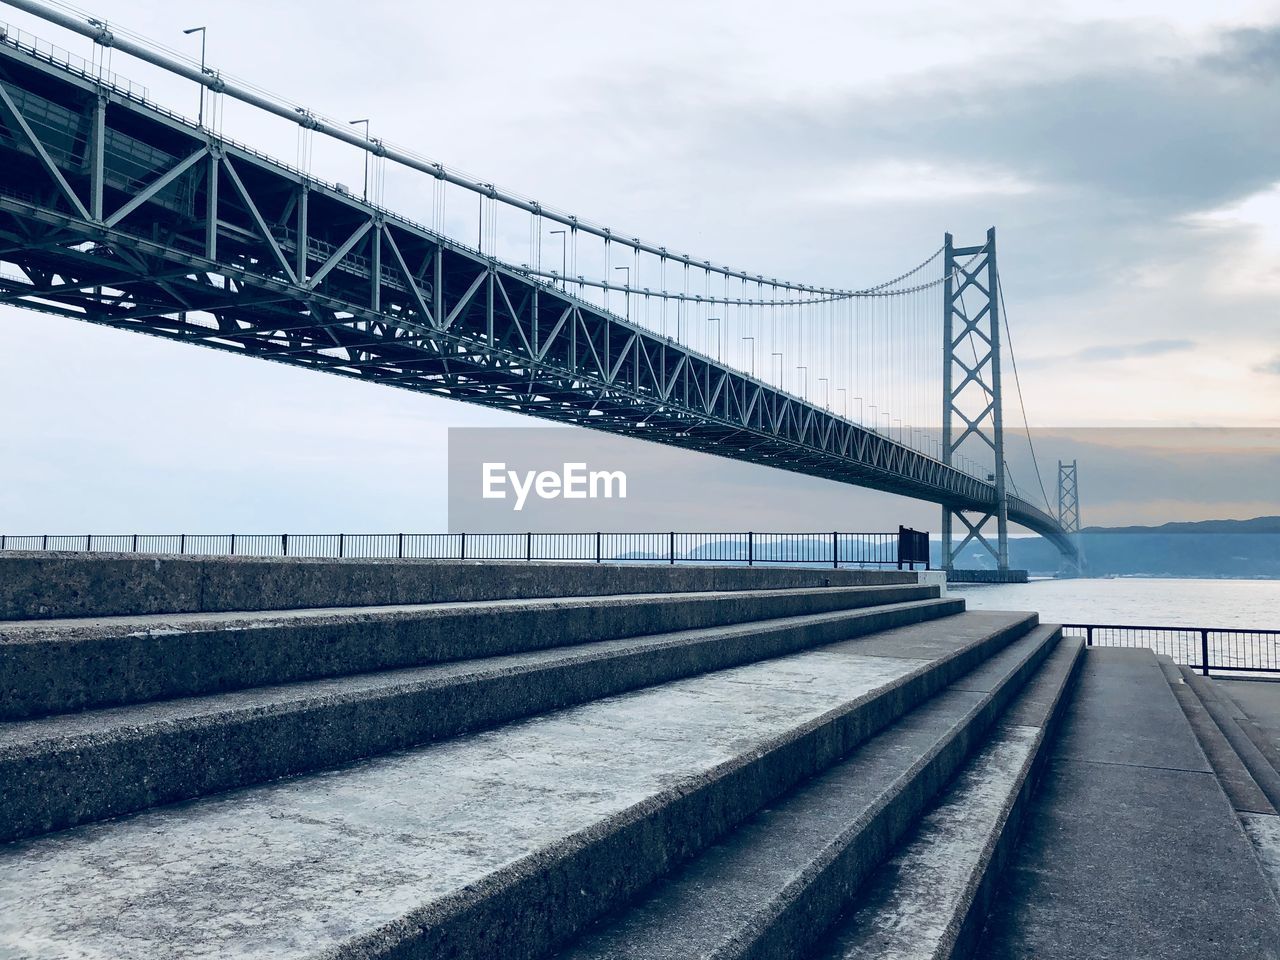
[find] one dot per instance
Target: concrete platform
(517, 760)
(517, 836)
(1132, 849)
(52, 585)
(773, 886)
(931, 899)
(1260, 700)
(59, 771)
(61, 665)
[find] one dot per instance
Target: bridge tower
(971, 399)
(1069, 516)
(1068, 497)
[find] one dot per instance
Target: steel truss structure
(118, 213)
(1068, 497)
(971, 390)
(1069, 514)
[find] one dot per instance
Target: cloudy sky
(1127, 152)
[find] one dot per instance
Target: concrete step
(58, 666)
(503, 843)
(1257, 814)
(1131, 848)
(931, 899)
(62, 770)
(773, 886)
(1258, 706)
(1237, 782)
(1226, 714)
(54, 585)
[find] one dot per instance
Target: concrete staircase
(244, 758)
(1137, 844)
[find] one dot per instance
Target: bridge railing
(1220, 649)
(905, 548)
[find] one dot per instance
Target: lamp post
(779, 356)
(805, 395)
(718, 337)
(564, 256)
(826, 397)
(356, 123)
(753, 353)
(203, 34)
(626, 293)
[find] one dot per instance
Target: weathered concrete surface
(1257, 711)
(57, 666)
(1131, 849)
(58, 771)
(1264, 831)
(1237, 782)
(51, 585)
(1260, 701)
(772, 887)
(931, 899)
(1228, 717)
(493, 844)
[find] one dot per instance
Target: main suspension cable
(1004, 316)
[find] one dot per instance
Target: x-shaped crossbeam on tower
(971, 387)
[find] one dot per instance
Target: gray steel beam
(498, 354)
(988, 422)
(15, 115)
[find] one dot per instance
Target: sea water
(1243, 604)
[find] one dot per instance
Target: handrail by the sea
(904, 548)
(1223, 649)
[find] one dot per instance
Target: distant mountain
(1256, 525)
(1227, 549)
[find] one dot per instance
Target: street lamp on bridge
(626, 293)
(753, 353)
(356, 123)
(564, 255)
(203, 34)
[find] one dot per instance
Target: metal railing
(1224, 649)
(904, 549)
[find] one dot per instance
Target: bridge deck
(120, 213)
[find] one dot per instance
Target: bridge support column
(1069, 515)
(972, 414)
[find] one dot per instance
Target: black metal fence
(1222, 649)
(905, 549)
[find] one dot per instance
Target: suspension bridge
(118, 211)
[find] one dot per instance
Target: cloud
(1107, 352)
(1252, 50)
(1149, 130)
(1099, 149)
(1129, 351)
